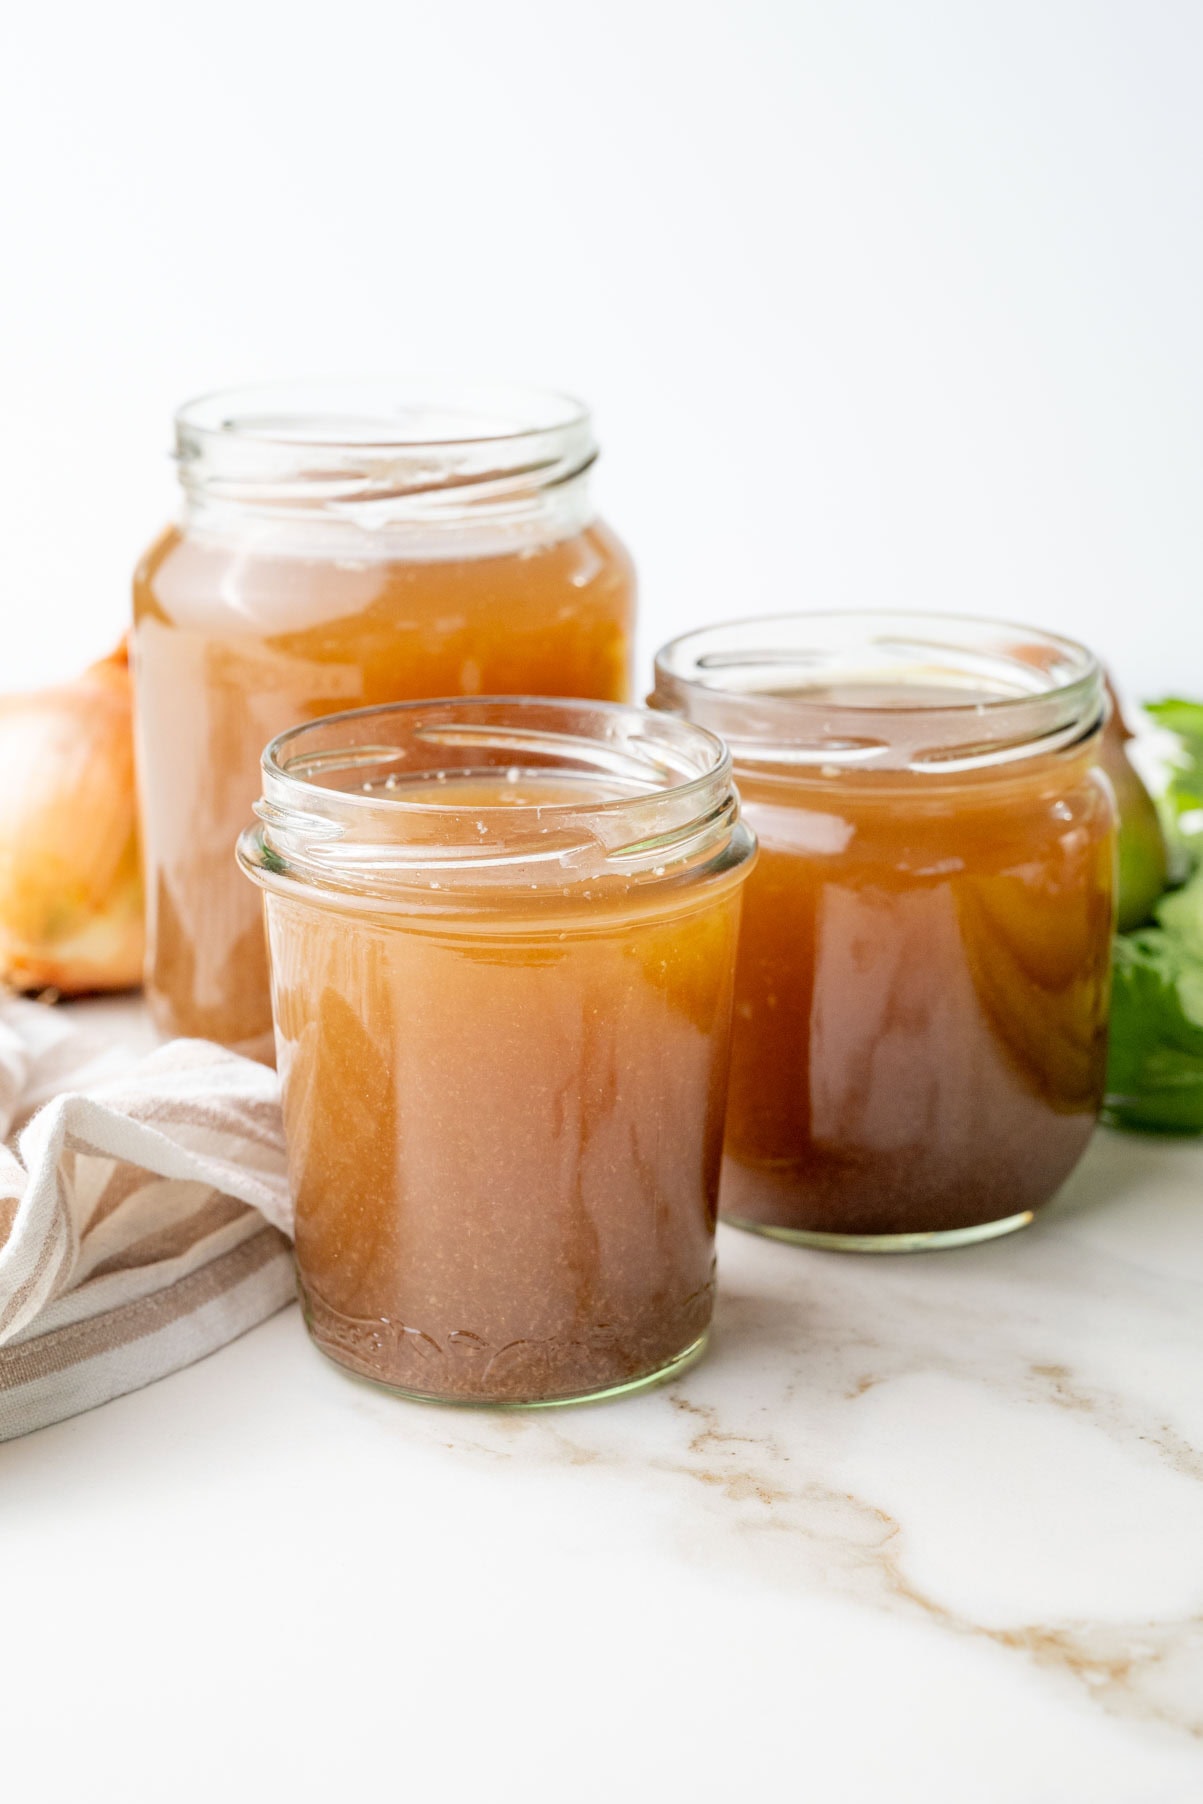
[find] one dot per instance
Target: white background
(877, 303)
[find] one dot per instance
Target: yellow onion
(71, 914)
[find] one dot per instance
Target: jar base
(936, 1241)
(628, 1387)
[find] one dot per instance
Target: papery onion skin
(71, 904)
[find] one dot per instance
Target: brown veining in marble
(1110, 1414)
(1127, 1668)
(774, 1518)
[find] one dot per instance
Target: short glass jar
(344, 544)
(922, 991)
(502, 938)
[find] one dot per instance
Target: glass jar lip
(1055, 688)
(382, 450)
(365, 412)
(681, 733)
(671, 810)
(679, 658)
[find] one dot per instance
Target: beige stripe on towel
(144, 1211)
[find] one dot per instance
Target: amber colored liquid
(504, 1132)
(921, 998)
(232, 646)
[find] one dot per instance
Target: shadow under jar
(920, 1027)
(344, 545)
(502, 939)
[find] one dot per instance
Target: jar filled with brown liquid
(344, 545)
(503, 938)
(921, 999)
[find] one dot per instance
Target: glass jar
(922, 991)
(502, 938)
(344, 545)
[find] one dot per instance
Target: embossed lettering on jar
(922, 990)
(344, 545)
(503, 942)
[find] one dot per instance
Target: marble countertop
(921, 1527)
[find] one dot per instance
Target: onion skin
(71, 905)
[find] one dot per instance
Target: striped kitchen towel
(143, 1211)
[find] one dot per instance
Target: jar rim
(680, 733)
(1039, 691)
(369, 410)
(382, 449)
(331, 818)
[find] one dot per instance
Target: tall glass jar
(921, 999)
(503, 942)
(343, 545)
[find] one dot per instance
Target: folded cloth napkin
(143, 1210)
